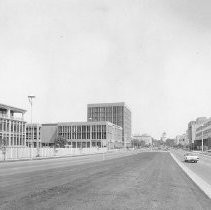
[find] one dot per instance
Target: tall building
(12, 125)
(33, 134)
(116, 113)
(90, 134)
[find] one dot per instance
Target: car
(191, 157)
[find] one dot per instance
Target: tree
(60, 142)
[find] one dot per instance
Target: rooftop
(12, 108)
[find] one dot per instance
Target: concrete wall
(16, 153)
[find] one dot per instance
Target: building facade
(116, 113)
(33, 135)
(48, 134)
(91, 134)
(191, 133)
(12, 125)
(192, 127)
(203, 133)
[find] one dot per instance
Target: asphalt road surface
(202, 168)
(148, 180)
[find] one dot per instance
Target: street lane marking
(204, 186)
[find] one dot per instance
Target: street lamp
(31, 97)
(202, 138)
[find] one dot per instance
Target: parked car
(190, 157)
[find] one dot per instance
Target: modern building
(116, 113)
(91, 134)
(192, 126)
(192, 133)
(33, 135)
(203, 133)
(48, 134)
(12, 125)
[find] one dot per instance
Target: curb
(204, 186)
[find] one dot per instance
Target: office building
(192, 126)
(91, 134)
(203, 133)
(33, 135)
(12, 125)
(116, 113)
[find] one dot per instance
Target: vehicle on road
(190, 157)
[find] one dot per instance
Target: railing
(3, 115)
(11, 117)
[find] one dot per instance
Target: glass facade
(90, 133)
(116, 113)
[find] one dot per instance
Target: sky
(153, 55)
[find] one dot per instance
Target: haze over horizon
(153, 55)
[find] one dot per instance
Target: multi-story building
(33, 135)
(91, 134)
(116, 113)
(192, 133)
(192, 126)
(12, 125)
(203, 133)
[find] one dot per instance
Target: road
(202, 168)
(147, 180)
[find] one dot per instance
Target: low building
(33, 135)
(147, 139)
(12, 125)
(91, 134)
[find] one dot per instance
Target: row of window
(14, 127)
(205, 132)
(93, 135)
(14, 140)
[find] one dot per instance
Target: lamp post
(202, 138)
(31, 97)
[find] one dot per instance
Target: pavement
(129, 180)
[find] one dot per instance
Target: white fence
(16, 153)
